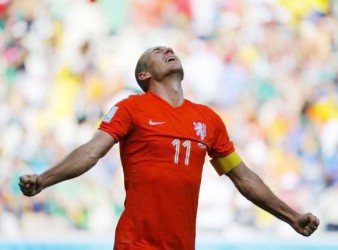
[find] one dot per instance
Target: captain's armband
(223, 165)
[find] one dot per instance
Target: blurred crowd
(268, 67)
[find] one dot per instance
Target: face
(162, 62)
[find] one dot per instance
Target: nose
(168, 50)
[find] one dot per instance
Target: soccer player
(163, 142)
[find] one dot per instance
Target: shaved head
(157, 63)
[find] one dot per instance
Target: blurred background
(268, 67)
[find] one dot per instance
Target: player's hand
(306, 224)
(30, 185)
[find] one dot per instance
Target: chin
(176, 68)
(178, 71)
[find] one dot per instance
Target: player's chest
(177, 137)
(181, 124)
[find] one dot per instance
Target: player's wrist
(41, 183)
(292, 218)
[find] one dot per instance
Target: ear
(143, 75)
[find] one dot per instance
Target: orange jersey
(162, 151)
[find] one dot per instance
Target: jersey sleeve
(118, 121)
(221, 145)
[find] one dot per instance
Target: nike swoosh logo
(155, 123)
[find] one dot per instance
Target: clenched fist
(30, 185)
(306, 224)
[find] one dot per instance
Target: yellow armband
(223, 165)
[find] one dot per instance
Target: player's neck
(171, 92)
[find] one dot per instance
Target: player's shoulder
(131, 100)
(208, 113)
(202, 108)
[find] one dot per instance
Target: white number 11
(177, 144)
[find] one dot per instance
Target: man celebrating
(163, 142)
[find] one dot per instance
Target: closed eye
(157, 50)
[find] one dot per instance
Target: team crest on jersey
(201, 129)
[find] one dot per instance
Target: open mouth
(170, 59)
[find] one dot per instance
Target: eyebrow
(157, 48)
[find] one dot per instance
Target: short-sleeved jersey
(162, 150)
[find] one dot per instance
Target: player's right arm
(76, 163)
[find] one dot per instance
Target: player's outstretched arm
(253, 188)
(76, 163)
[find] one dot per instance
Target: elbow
(95, 152)
(90, 156)
(93, 158)
(247, 189)
(92, 161)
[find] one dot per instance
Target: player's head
(157, 63)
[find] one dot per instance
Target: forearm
(76, 163)
(253, 188)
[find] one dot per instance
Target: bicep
(243, 177)
(100, 144)
(240, 172)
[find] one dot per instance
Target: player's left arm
(251, 186)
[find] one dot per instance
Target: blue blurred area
(56, 246)
(268, 67)
(212, 245)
